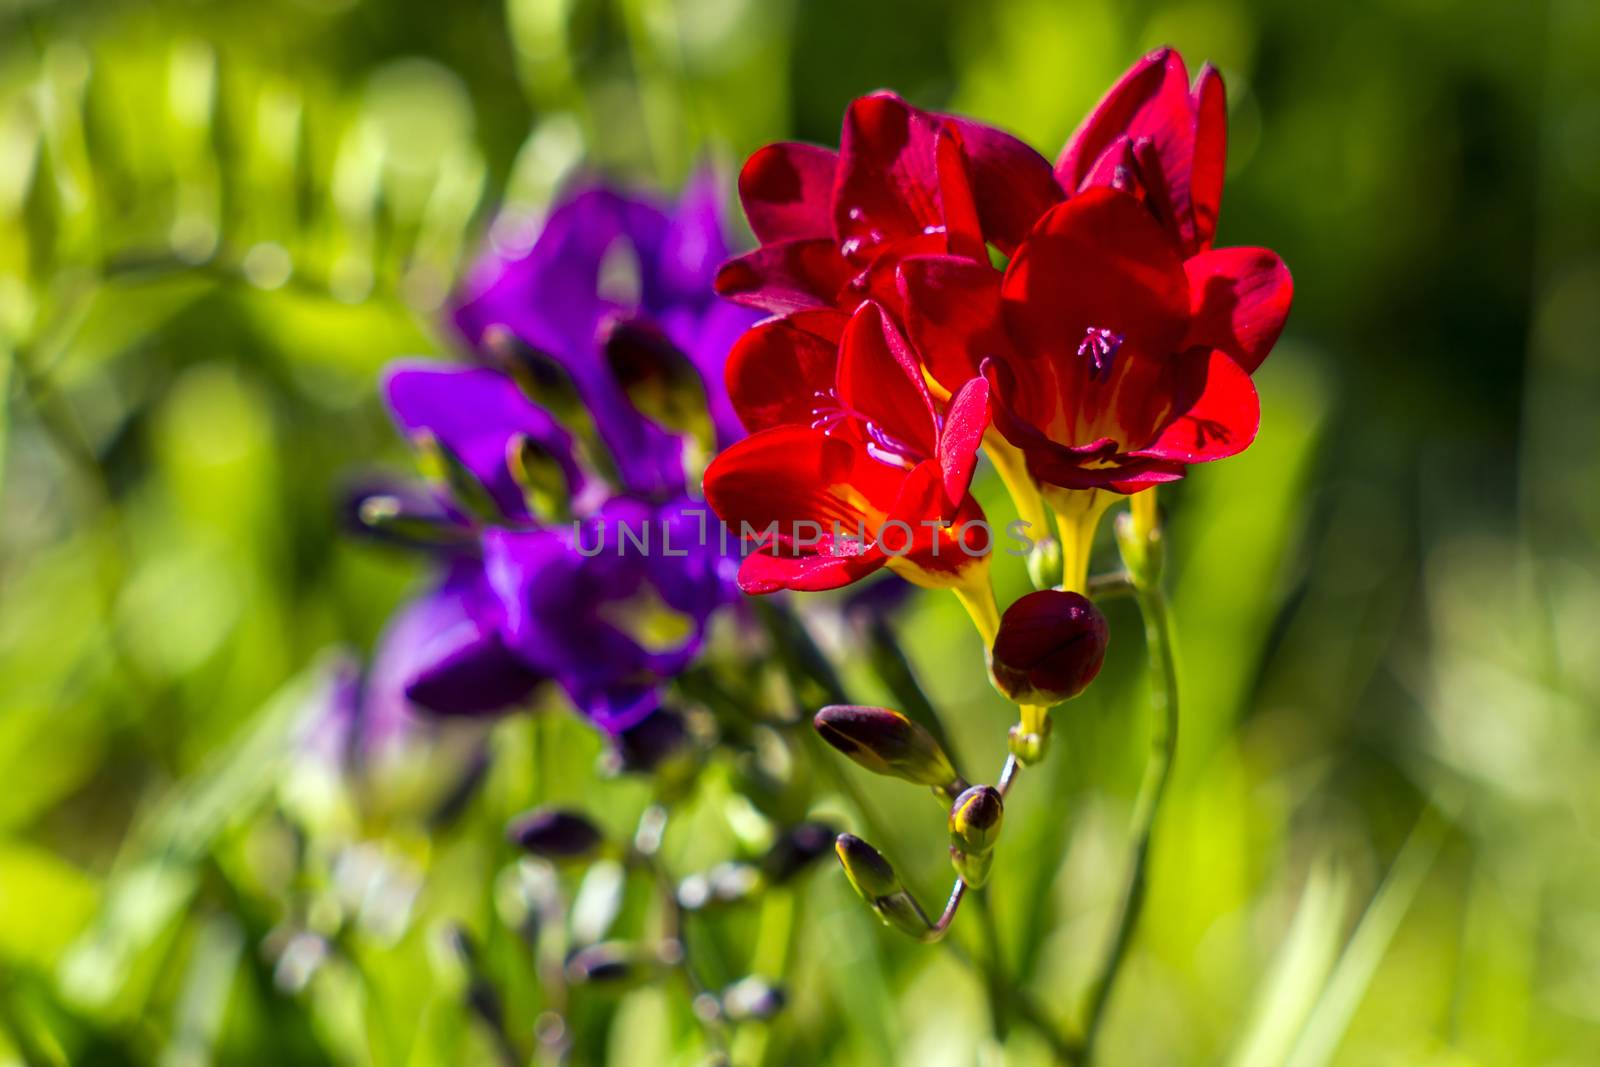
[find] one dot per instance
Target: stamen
(1099, 346)
(828, 413)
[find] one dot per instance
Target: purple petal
(475, 412)
(443, 652)
(556, 299)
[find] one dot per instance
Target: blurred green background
(217, 221)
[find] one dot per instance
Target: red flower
(833, 226)
(1115, 361)
(1154, 136)
(849, 467)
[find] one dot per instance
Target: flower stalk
(1141, 548)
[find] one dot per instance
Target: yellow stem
(1033, 718)
(1012, 467)
(1146, 513)
(977, 596)
(1078, 514)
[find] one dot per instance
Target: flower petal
(953, 316)
(888, 179)
(762, 572)
(787, 191)
(1222, 418)
(1210, 154)
(1097, 262)
(779, 368)
(1112, 116)
(1179, 135)
(693, 246)
(786, 276)
(475, 412)
(881, 381)
(1092, 465)
(794, 473)
(965, 422)
(1240, 299)
(444, 652)
(1012, 184)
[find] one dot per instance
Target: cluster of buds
(891, 744)
(594, 957)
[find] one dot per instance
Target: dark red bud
(555, 834)
(1050, 647)
(885, 742)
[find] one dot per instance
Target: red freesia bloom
(1115, 361)
(834, 225)
(849, 467)
(1154, 136)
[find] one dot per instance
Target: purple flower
(605, 260)
(548, 572)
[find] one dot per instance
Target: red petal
(888, 180)
(1091, 465)
(1153, 103)
(794, 473)
(1210, 154)
(786, 276)
(787, 191)
(962, 231)
(1111, 117)
(1240, 298)
(761, 572)
(1220, 422)
(933, 550)
(778, 367)
(964, 424)
(1011, 183)
(880, 380)
(1098, 261)
(952, 313)
(1116, 168)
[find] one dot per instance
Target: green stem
(1157, 774)
(994, 969)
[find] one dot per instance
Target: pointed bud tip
(868, 871)
(885, 742)
(975, 819)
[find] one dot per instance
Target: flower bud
(795, 850)
(658, 378)
(541, 477)
(401, 513)
(446, 469)
(610, 964)
(886, 742)
(1044, 563)
(751, 999)
(1050, 646)
(1142, 550)
(866, 868)
(972, 867)
(1029, 741)
(879, 886)
(653, 743)
(555, 834)
(975, 820)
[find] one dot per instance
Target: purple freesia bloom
(526, 597)
(605, 258)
